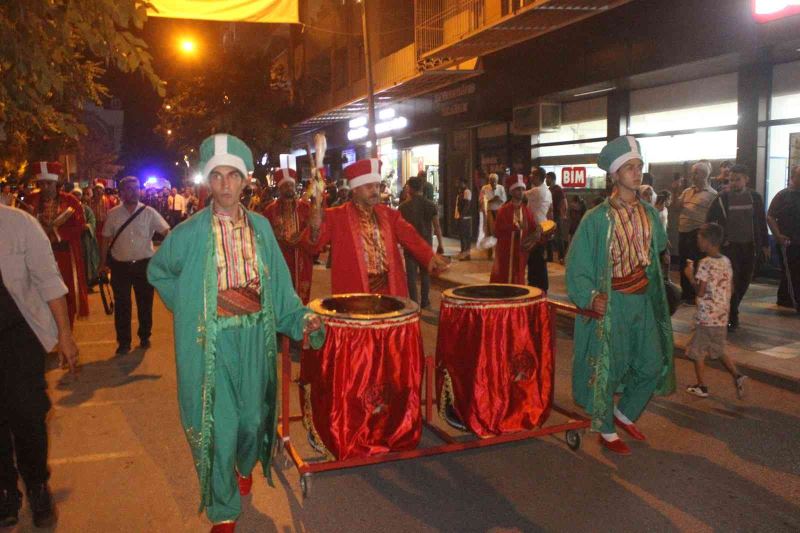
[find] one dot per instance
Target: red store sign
(573, 177)
(767, 10)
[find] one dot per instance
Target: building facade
(485, 86)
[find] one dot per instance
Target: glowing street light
(188, 46)
(169, 132)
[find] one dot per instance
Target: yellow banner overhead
(227, 10)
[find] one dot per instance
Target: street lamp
(188, 46)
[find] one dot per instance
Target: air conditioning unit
(537, 118)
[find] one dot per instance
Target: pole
(370, 86)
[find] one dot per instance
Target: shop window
(569, 149)
(689, 147)
(704, 103)
(778, 158)
(785, 91)
(583, 119)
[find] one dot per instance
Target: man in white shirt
(33, 321)
(540, 202)
(176, 204)
(127, 250)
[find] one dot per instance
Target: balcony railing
(448, 31)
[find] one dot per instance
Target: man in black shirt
(422, 214)
(784, 221)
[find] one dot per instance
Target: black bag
(106, 295)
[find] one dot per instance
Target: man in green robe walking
(223, 276)
(613, 269)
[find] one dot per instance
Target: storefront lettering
(455, 108)
(452, 94)
(573, 177)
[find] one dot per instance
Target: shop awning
(419, 84)
(284, 11)
(448, 36)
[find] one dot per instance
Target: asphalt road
(120, 462)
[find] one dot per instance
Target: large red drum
(362, 390)
(494, 357)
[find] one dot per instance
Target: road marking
(787, 351)
(92, 458)
(99, 403)
(95, 343)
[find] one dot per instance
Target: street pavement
(120, 462)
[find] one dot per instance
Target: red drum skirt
(361, 392)
(494, 357)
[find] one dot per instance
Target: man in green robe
(223, 276)
(613, 269)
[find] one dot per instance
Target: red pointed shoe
(223, 527)
(617, 446)
(630, 429)
(245, 484)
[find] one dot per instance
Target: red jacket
(340, 229)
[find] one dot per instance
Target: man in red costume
(61, 216)
(289, 218)
(365, 238)
(516, 231)
(101, 203)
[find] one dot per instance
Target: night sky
(144, 153)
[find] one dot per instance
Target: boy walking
(713, 284)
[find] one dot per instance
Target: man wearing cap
(613, 270)
(61, 216)
(126, 246)
(693, 203)
(289, 218)
(516, 231)
(222, 275)
(365, 238)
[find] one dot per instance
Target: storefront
(783, 126)
(422, 158)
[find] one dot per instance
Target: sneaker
(698, 390)
(9, 507)
(741, 382)
(42, 506)
(123, 349)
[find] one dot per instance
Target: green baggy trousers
(636, 358)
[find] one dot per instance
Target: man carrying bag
(130, 228)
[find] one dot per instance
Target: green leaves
(52, 55)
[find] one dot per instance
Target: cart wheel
(305, 484)
(573, 439)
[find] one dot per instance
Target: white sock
(610, 437)
(622, 418)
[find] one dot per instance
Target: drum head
(363, 306)
(492, 292)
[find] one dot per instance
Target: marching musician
(516, 231)
(613, 269)
(61, 217)
(364, 237)
(223, 277)
(289, 218)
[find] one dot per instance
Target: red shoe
(630, 429)
(223, 527)
(617, 446)
(245, 484)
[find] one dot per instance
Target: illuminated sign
(767, 10)
(389, 122)
(573, 177)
